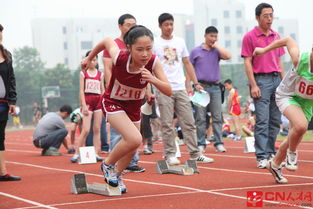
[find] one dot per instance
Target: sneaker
(99, 159)
(203, 159)
(135, 169)
(207, 141)
(237, 138)
(292, 161)
(121, 183)
(276, 172)
(201, 149)
(104, 151)
(261, 163)
(173, 161)
(271, 156)
(220, 148)
(147, 151)
(109, 174)
(9, 177)
(74, 159)
(51, 152)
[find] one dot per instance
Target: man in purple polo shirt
(205, 59)
(264, 74)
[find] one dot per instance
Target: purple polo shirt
(268, 62)
(206, 63)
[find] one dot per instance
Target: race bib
(92, 86)
(123, 92)
(304, 88)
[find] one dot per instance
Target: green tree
(28, 67)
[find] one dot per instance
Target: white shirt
(170, 53)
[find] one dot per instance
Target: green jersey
(298, 85)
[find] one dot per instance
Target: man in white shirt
(173, 54)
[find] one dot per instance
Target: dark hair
(165, 16)
(66, 108)
(135, 32)
(6, 54)
(228, 81)
(122, 18)
(260, 7)
(87, 53)
(211, 29)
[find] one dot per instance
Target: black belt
(275, 73)
(208, 83)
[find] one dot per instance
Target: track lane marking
(25, 200)
(159, 184)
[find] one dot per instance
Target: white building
(67, 40)
(228, 16)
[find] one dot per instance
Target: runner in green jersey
(294, 97)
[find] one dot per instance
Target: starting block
(190, 168)
(79, 186)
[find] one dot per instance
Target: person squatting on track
(294, 98)
(91, 85)
(132, 71)
(51, 131)
(7, 103)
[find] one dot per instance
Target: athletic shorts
(236, 110)
(284, 101)
(94, 102)
(110, 108)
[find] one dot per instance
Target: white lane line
(118, 198)
(158, 184)
(239, 171)
(28, 201)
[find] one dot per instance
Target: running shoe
(292, 161)
(109, 174)
(121, 183)
(276, 172)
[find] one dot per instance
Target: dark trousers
(52, 140)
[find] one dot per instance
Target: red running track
(222, 184)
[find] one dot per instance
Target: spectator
(205, 59)
(36, 113)
(50, 131)
(173, 53)
(16, 118)
(264, 74)
(44, 109)
(7, 104)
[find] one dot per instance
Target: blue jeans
(268, 116)
(103, 136)
(115, 137)
(216, 114)
(54, 139)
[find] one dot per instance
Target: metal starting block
(79, 186)
(190, 168)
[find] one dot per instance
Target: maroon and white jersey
(126, 89)
(92, 83)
